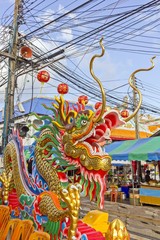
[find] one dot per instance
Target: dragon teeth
(75, 143)
(94, 133)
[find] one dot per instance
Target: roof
(139, 150)
(127, 134)
(156, 134)
(127, 131)
(35, 105)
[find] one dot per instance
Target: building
(23, 117)
(22, 113)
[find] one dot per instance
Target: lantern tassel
(42, 84)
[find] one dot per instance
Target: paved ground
(140, 237)
(127, 201)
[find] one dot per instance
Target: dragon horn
(137, 90)
(99, 83)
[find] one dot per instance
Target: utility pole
(13, 58)
(10, 90)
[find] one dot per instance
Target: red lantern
(98, 105)
(124, 113)
(62, 88)
(83, 100)
(43, 76)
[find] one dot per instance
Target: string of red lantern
(43, 77)
(62, 88)
(124, 113)
(83, 100)
(98, 105)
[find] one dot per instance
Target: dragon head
(82, 137)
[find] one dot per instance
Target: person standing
(147, 176)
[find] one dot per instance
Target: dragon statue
(71, 139)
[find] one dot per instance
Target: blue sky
(113, 69)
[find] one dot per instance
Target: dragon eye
(71, 120)
(83, 122)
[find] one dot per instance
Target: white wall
(24, 120)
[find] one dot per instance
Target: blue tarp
(140, 150)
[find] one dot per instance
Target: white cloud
(61, 9)
(47, 17)
(43, 45)
(72, 15)
(67, 34)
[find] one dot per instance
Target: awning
(119, 163)
(139, 150)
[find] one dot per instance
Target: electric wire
(62, 73)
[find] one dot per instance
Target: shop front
(150, 195)
(147, 149)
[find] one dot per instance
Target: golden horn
(136, 89)
(99, 83)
